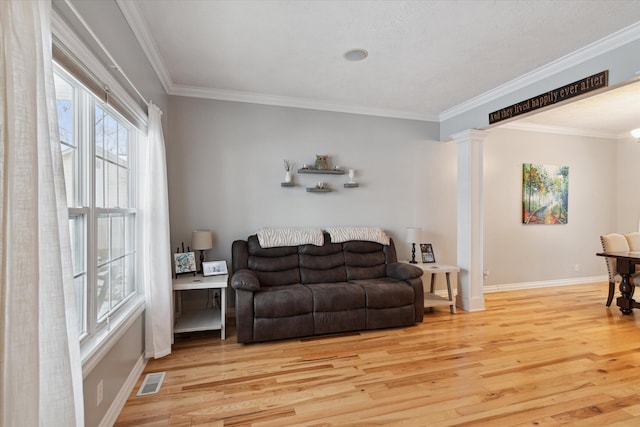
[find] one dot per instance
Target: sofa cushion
(331, 322)
(378, 318)
(322, 268)
(322, 263)
(364, 260)
(266, 329)
(386, 293)
(273, 266)
(282, 301)
(337, 296)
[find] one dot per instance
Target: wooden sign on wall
(554, 96)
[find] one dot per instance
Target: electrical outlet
(100, 393)
(576, 267)
(486, 274)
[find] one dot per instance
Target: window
(98, 151)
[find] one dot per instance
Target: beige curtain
(40, 372)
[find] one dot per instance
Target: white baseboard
(111, 416)
(478, 305)
(543, 284)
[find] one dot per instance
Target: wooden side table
(209, 318)
(431, 299)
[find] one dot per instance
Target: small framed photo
(185, 262)
(213, 268)
(427, 252)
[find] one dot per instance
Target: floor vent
(151, 384)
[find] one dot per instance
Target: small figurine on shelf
(321, 162)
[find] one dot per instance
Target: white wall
(628, 185)
(516, 253)
(225, 164)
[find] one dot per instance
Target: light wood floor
(554, 356)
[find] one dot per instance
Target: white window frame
(86, 207)
(95, 346)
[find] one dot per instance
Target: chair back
(633, 239)
(613, 242)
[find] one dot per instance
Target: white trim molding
(145, 39)
(111, 416)
(292, 102)
(147, 43)
(88, 59)
(543, 284)
(559, 130)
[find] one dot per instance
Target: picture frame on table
(427, 253)
(184, 263)
(214, 268)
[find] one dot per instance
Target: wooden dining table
(625, 266)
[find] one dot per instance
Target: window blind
(67, 60)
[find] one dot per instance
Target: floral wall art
(545, 194)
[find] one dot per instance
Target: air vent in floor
(151, 384)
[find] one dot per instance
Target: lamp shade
(414, 235)
(201, 240)
(636, 133)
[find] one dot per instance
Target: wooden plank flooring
(545, 357)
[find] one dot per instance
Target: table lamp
(201, 240)
(414, 235)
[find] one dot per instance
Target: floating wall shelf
(316, 171)
(322, 171)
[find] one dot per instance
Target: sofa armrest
(245, 280)
(403, 271)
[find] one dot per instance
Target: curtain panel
(40, 373)
(156, 251)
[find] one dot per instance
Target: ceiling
(425, 57)
(611, 114)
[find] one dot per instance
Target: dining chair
(615, 242)
(633, 239)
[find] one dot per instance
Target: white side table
(431, 299)
(209, 318)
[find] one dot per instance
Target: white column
(470, 219)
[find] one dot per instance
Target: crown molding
(141, 31)
(143, 35)
(145, 39)
(560, 130)
(287, 101)
(606, 44)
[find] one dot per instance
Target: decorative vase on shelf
(351, 176)
(287, 176)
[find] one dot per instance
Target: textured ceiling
(611, 114)
(425, 57)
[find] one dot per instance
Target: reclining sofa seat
(296, 291)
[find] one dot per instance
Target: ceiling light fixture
(636, 133)
(355, 55)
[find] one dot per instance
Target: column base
(473, 304)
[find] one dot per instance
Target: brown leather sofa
(296, 291)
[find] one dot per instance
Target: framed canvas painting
(184, 262)
(545, 194)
